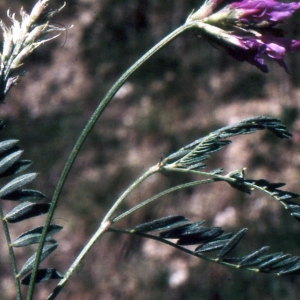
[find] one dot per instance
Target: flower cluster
(246, 29)
(21, 38)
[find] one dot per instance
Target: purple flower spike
(246, 30)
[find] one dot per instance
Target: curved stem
(101, 230)
(11, 256)
(108, 217)
(85, 133)
(216, 177)
(168, 191)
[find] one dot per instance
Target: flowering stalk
(246, 29)
(20, 39)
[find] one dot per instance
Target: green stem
(101, 230)
(216, 177)
(103, 227)
(84, 134)
(11, 256)
(168, 191)
(151, 171)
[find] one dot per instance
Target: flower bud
(205, 10)
(38, 10)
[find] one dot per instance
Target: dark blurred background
(186, 90)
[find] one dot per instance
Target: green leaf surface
(232, 243)
(17, 167)
(26, 210)
(33, 236)
(184, 229)
(27, 267)
(201, 237)
(9, 160)
(17, 183)
(285, 263)
(161, 224)
(211, 246)
(42, 275)
(7, 145)
(31, 239)
(253, 257)
(291, 269)
(278, 257)
(25, 195)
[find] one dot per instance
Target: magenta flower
(252, 49)
(263, 12)
(245, 29)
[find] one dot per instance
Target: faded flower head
(246, 29)
(21, 38)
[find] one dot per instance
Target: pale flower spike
(246, 29)
(21, 38)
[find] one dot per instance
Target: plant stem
(216, 177)
(157, 238)
(90, 124)
(11, 256)
(134, 185)
(101, 230)
(168, 191)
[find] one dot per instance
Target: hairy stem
(101, 230)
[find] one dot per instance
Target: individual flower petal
(273, 47)
(258, 11)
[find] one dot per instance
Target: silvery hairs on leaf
(21, 38)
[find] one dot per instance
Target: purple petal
(252, 55)
(274, 47)
(263, 10)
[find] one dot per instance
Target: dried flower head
(21, 38)
(246, 29)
